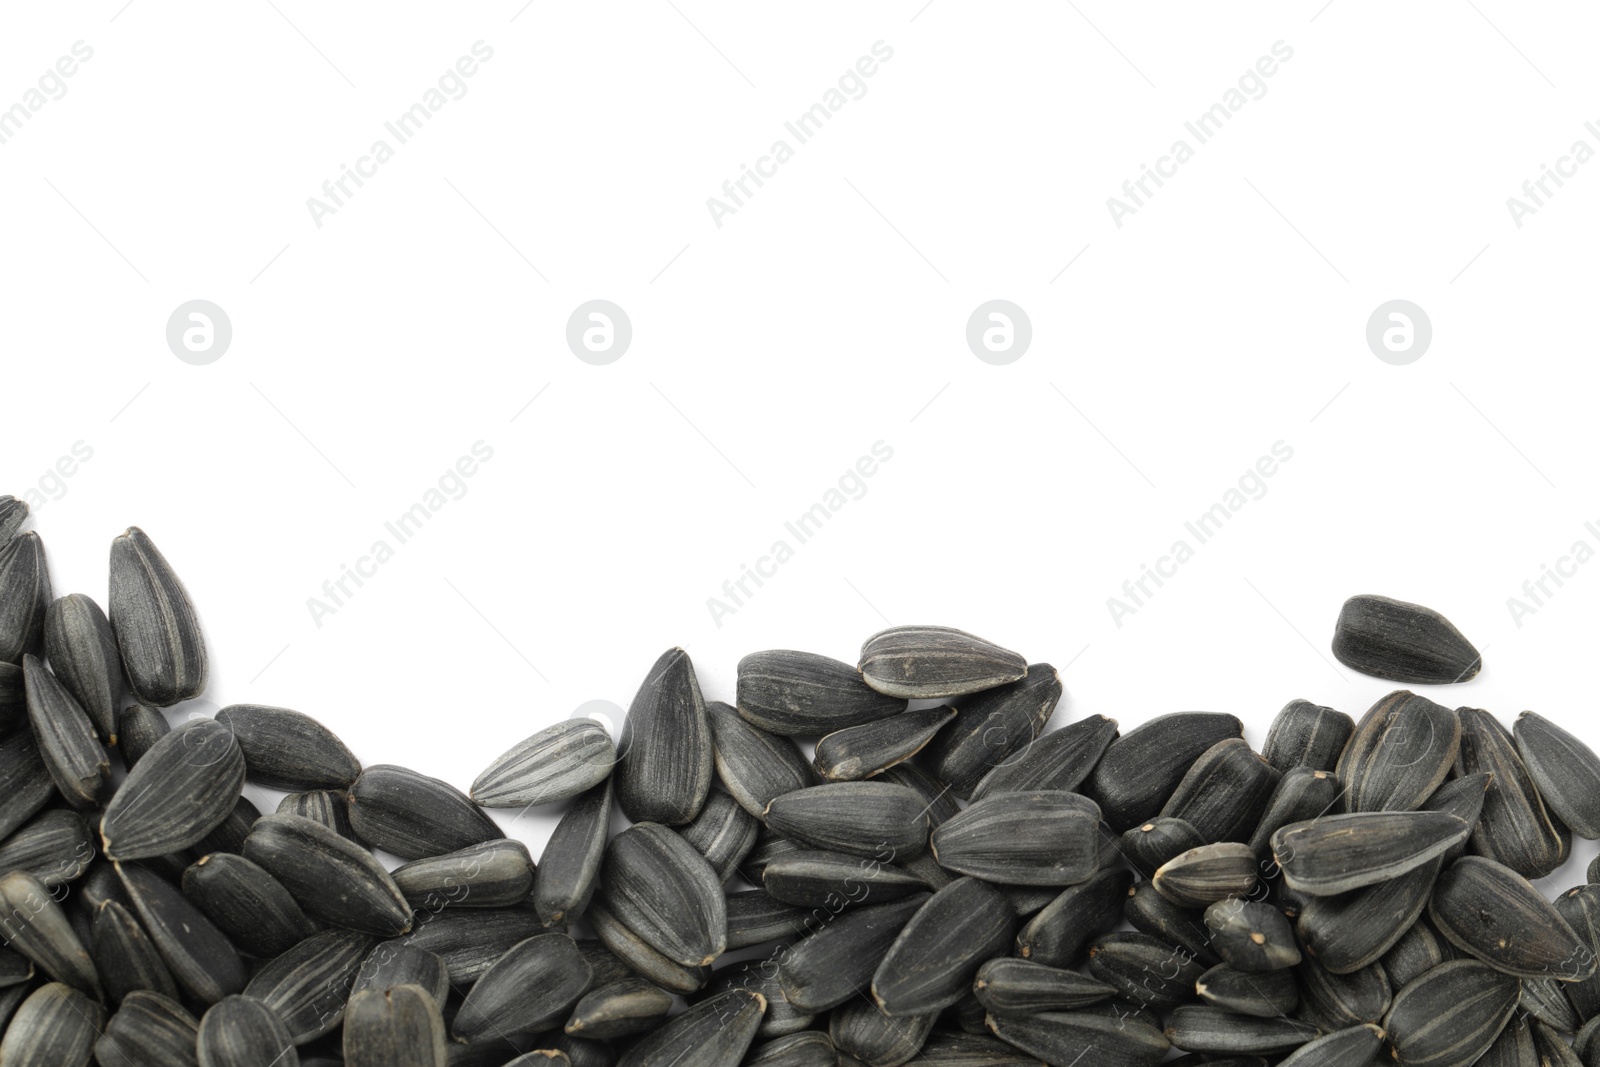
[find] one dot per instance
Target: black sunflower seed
(1402, 642)
(993, 727)
(13, 513)
(1339, 1001)
(638, 955)
(754, 765)
(34, 925)
(204, 962)
(664, 771)
(941, 802)
(149, 1030)
(308, 985)
(755, 916)
(1251, 936)
(1580, 907)
(1356, 1046)
(155, 623)
(26, 784)
(1202, 876)
(25, 596)
(1145, 969)
(1513, 1048)
(1450, 1015)
(413, 816)
(124, 956)
(627, 1006)
(1566, 771)
(713, 1033)
(1225, 792)
(330, 807)
(83, 653)
(13, 698)
(248, 904)
(1200, 1028)
(1304, 734)
(570, 863)
(396, 1027)
(57, 1026)
(1062, 1038)
(535, 984)
(470, 940)
(1151, 844)
(808, 1048)
(819, 879)
(558, 762)
(1140, 769)
(1553, 1051)
(656, 884)
(1587, 1042)
(723, 832)
(55, 847)
(760, 976)
(1034, 839)
(837, 961)
(1061, 759)
(1417, 950)
(1351, 930)
(864, 751)
(1492, 912)
(243, 1032)
(139, 727)
(888, 822)
(1514, 827)
(288, 750)
(1401, 751)
(933, 960)
(801, 693)
(73, 755)
(184, 788)
(935, 662)
(1264, 993)
(1149, 912)
(1338, 853)
(1009, 986)
(229, 834)
(399, 962)
(868, 1036)
(494, 874)
(331, 877)
(1302, 794)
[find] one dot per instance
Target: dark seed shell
(1356, 1046)
(399, 962)
(203, 961)
(330, 807)
(26, 785)
(1492, 912)
(77, 763)
(933, 960)
(471, 940)
(229, 834)
(1304, 734)
(755, 916)
(1037, 839)
(663, 773)
(1417, 950)
(657, 885)
(1302, 794)
(13, 698)
(1062, 1038)
(396, 1027)
(808, 1048)
(837, 961)
(308, 985)
(723, 832)
(643, 959)
(876, 819)
(864, 751)
(1351, 930)
(1151, 913)
(414, 816)
(13, 513)
(754, 765)
(1553, 1051)
(149, 1030)
(55, 847)
(288, 750)
(1514, 827)
(331, 877)
(125, 957)
(713, 1033)
(761, 977)
(249, 905)
(34, 925)
(1267, 994)
(1339, 853)
(993, 727)
(1402, 642)
(532, 986)
(25, 596)
(570, 863)
(494, 874)
(628, 1006)
(859, 1030)
(935, 662)
(1202, 876)
(243, 1032)
(819, 879)
(185, 787)
(941, 802)
(1225, 792)
(1450, 1015)
(1252, 936)
(139, 727)
(1198, 1028)
(1339, 1001)
(83, 653)
(1580, 907)
(1566, 771)
(1150, 844)
(800, 693)
(560, 761)
(1401, 751)
(57, 1026)
(1145, 969)
(1140, 769)
(1514, 1047)
(155, 623)
(1008, 986)
(1587, 1042)
(1060, 759)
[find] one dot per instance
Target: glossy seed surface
(155, 623)
(935, 662)
(558, 762)
(1402, 642)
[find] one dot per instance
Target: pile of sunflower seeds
(942, 882)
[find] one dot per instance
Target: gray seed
(935, 662)
(1252, 936)
(57, 1026)
(242, 1032)
(26, 784)
(1419, 949)
(643, 959)
(13, 513)
(860, 1030)
(1061, 1038)
(1402, 642)
(1007, 986)
(1197, 1028)
(663, 771)
(936, 955)
(1553, 1051)
(139, 727)
(202, 960)
(1514, 827)
(398, 1027)
(1304, 734)
(1202, 876)
(942, 805)
(308, 985)
(1401, 751)
(808, 1048)
(836, 962)
(714, 1033)
(287, 750)
(1225, 792)
(864, 751)
(760, 977)
(185, 787)
(330, 807)
(399, 962)
(25, 596)
(993, 727)
(801, 693)
(1351, 930)
(1060, 759)
(124, 956)
(34, 925)
(624, 1007)
(1580, 907)
(1356, 1046)
(229, 834)
(414, 816)
(1043, 838)
(1267, 994)
(723, 832)
(1339, 853)
(1462, 797)
(77, 763)
(1339, 1001)
(155, 623)
(753, 765)
(657, 885)
(149, 1030)
(1151, 913)
(13, 698)
(1566, 771)
(755, 917)
(83, 653)
(863, 818)
(558, 762)
(248, 904)
(495, 874)
(1059, 934)
(1302, 794)
(330, 877)
(607, 965)
(1513, 1048)
(55, 847)
(1492, 912)
(570, 863)
(1146, 970)
(1587, 1042)
(1450, 1015)
(471, 940)
(1141, 768)
(1151, 844)
(820, 879)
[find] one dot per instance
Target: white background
(827, 314)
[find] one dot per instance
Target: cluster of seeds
(943, 882)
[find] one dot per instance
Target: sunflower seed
(927, 868)
(1401, 751)
(77, 763)
(808, 1048)
(993, 727)
(858, 752)
(288, 750)
(125, 958)
(149, 1030)
(1251, 936)
(398, 1027)
(1565, 770)
(399, 962)
(185, 787)
(1587, 1042)
(249, 905)
(837, 961)
(1580, 907)
(25, 596)
(935, 956)
(761, 977)
(1027, 900)
(860, 1030)
(713, 1033)
(308, 858)
(1063, 1038)
(1224, 794)
(1339, 1001)
(968, 1014)
(1008, 986)
(83, 653)
(638, 955)
(820, 879)
(308, 985)
(1513, 1048)
(1402, 642)
(330, 807)
(55, 847)
(1202, 876)
(663, 772)
(1145, 969)
(1492, 912)
(57, 1026)
(1351, 930)
(1304, 734)
(203, 961)
(1462, 797)
(13, 513)
(723, 832)
(558, 762)
(1450, 1015)
(1339, 853)
(1140, 769)
(657, 885)
(494, 874)
(1553, 1051)
(545, 1057)
(1059, 934)
(155, 623)
(877, 819)
(243, 1032)
(1355, 1046)
(935, 662)
(26, 784)
(1149, 912)
(941, 802)
(35, 926)
(13, 698)
(1263, 993)
(414, 816)
(1417, 950)
(1042, 838)
(14, 969)
(570, 863)
(755, 916)
(1060, 759)
(754, 765)
(469, 942)
(1302, 794)
(625, 1007)
(1198, 1028)
(139, 727)
(1514, 827)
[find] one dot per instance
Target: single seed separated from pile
(155, 623)
(664, 766)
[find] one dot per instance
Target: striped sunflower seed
(808, 1048)
(1514, 827)
(1034, 839)
(308, 985)
(1580, 907)
(1267, 994)
(149, 1030)
(494, 874)
(941, 805)
(1140, 769)
(77, 763)
(1401, 751)
(185, 787)
(1514, 1047)
(580, 1052)
(1450, 1015)
(57, 1026)
(860, 1030)
(935, 662)
(1351, 930)
(1462, 797)
(1058, 935)
(570, 863)
(1149, 912)
(1356, 1046)
(15, 969)
(1061, 759)
(470, 941)
(243, 1032)
(864, 751)
(413, 816)
(1339, 853)
(820, 879)
(28, 784)
(663, 773)
(1302, 794)
(124, 956)
(877, 819)
(249, 905)
(1565, 770)
(13, 698)
(288, 750)
(25, 596)
(203, 961)
(330, 807)
(760, 977)
(1587, 1042)
(1339, 1001)
(310, 859)
(34, 925)
(139, 727)
(558, 762)
(1009, 986)
(1417, 950)
(628, 1006)
(713, 1033)
(723, 832)
(1402, 642)
(801, 694)
(13, 513)
(1225, 793)
(1200, 1028)
(1252, 936)
(399, 962)
(1202, 876)
(155, 623)
(1027, 900)
(656, 884)
(1145, 969)
(1065, 1037)
(397, 1027)
(229, 834)
(993, 727)
(755, 917)
(55, 847)
(1546, 999)
(1492, 912)
(836, 962)
(754, 765)
(938, 952)
(83, 653)
(1304, 734)
(643, 959)
(1553, 1051)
